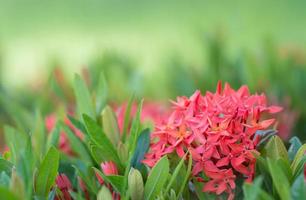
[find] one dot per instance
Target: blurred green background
(157, 49)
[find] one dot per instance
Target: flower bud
(135, 182)
(104, 194)
(110, 125)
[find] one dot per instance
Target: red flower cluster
(218, 129)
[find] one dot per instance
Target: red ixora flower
(218, 129)
(64, 185)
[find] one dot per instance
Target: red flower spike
(218, 129)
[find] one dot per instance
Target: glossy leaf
(280, 181)
(47, 172)
(175, 173)
(98, 137)
(142, 147)
(157, 179)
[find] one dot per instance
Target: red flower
(219, 130)
(64, 186)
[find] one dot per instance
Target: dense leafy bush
(220, 145)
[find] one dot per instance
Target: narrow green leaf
(175, 173)
(47, 172)
(79, 125)
(186, 176)
(127, 116)
(102, 93)
(135, 129)
(84, 102)
(77, 145)
(299, 168)
(157, 179)
(142, 147)
(98, 137)
(54, 136)
(110, 125)
(90, 184)
(298, 157)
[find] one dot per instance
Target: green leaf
(127, 116)
(79, 125)
(103, 144)
(116, 181)
(157, 179)
(47, 172)
(102, 93)
(300, 168)
(76, 144)
(90, 184)
(294, 147)
(252, 191)
(142, 147)
(135, 183)
(280, 181)
(110, 125)
(135, 129)
(175, 173)
(39, 136)
(298, 189)
(276, 149)
(104, 194)
(54, 136)
(186, 176)
(298, 157)
(16, 142)
(5, 166)
(6, 194)
(84, 102)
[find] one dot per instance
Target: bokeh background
(155, 49)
